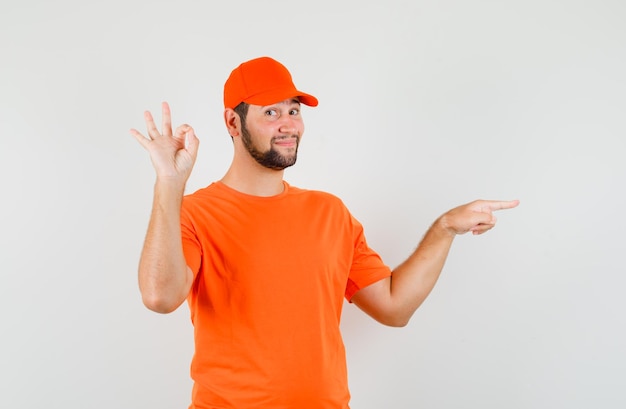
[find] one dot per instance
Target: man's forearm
(415, 278)
(164, 278)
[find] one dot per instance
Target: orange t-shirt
(270, 277)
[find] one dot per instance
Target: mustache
(283, 137)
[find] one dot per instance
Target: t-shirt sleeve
(191, 245)
(367, 266)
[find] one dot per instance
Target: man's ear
(233, 122)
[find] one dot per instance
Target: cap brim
(307, 99)
(274, 96)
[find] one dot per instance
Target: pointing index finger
(501, 204)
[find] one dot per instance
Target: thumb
(483, 217)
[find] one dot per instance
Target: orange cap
(262, 81)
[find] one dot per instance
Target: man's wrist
(169, 186)
(441, 227)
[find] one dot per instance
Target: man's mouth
(287, 141)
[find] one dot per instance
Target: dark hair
(242, 111)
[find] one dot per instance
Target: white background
(424, 105)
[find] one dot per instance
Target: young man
(265, 266)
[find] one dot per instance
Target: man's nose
(288, 126)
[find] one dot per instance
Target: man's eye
(294, 112)
(271, 112)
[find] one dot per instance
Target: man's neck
(255, 180)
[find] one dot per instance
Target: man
(264, 265)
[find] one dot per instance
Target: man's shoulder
(314, 194)
(202, 196)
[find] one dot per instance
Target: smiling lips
(289, 141)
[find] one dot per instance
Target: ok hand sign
(173, 154)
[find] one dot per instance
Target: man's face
(272, 133)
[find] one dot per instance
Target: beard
(271, 159)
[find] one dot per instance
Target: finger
(153, 132)
(191, 142)
(140, 138)
(481, 228)
(500, 205)
(166, 126)
(478, 232)
(181, 131)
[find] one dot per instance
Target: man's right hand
(173, 154)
